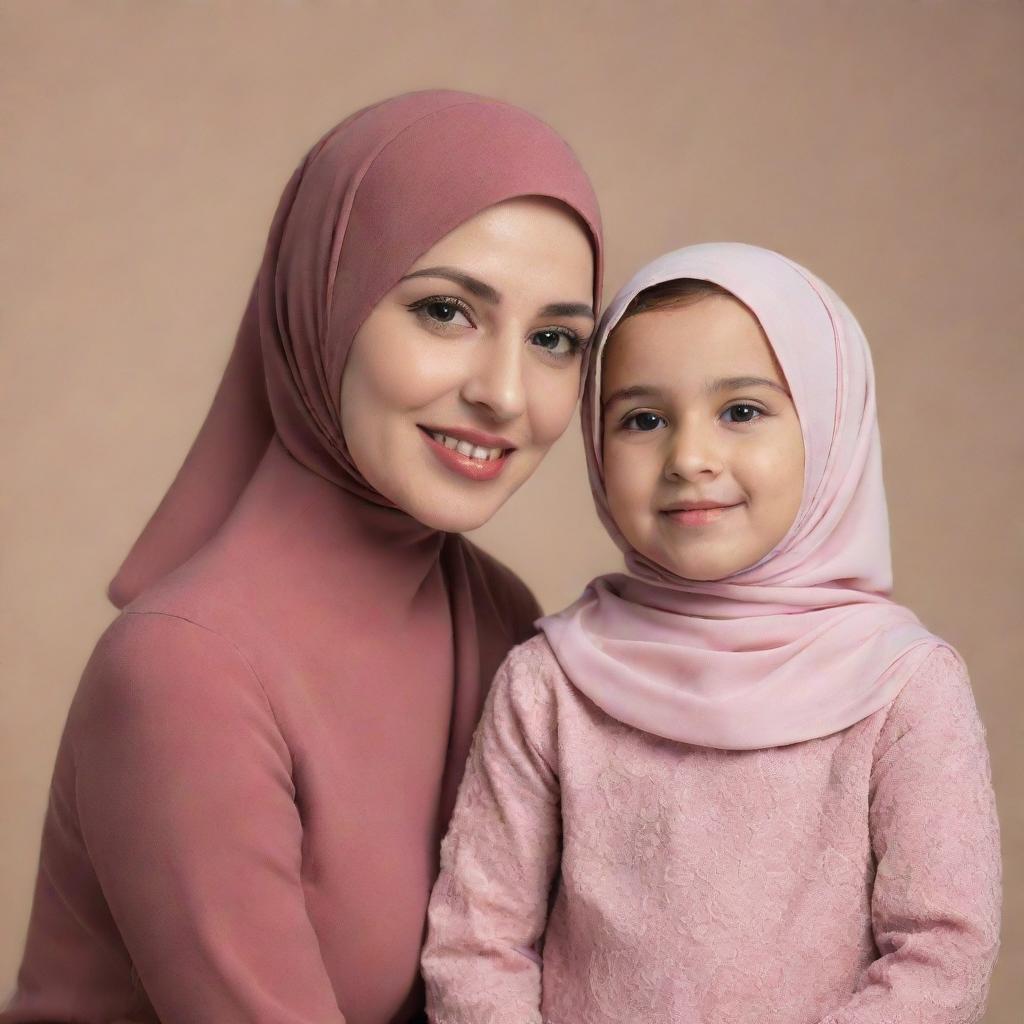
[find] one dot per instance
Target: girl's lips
(699, 516)
(466, 465)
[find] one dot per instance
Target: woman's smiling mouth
(470, 453)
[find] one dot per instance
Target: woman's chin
(455, 516)
(445, 500)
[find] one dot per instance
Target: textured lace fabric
(594, 873)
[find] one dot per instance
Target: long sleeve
(936, 896)
(489, 905)
(173, 830)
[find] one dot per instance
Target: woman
(265, 746)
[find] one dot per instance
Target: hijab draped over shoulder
(368, 200)
(807, 641)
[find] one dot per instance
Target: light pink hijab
(804, 643)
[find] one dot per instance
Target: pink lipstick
(470, 453)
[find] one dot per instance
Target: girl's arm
(936, 899)
(499, 858)
(172, 835)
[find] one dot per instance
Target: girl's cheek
(628, 479)
(773, 475)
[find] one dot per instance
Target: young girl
(738, 784)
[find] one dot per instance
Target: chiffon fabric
(807, 641)
(265, 747)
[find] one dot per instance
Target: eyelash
(745, 405)
(574, 340)
(631, 418)
(421, 306)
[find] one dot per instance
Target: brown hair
(683, 291)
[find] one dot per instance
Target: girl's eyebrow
(738, 383)
(634, 391)
(711, 386)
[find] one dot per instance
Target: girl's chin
(699, 569)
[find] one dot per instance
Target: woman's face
(467, 371)
(703, 453)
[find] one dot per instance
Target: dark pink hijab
(369, 199)
(265, 748)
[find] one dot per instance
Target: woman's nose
(693, 454)
(495, 382)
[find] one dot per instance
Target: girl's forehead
(695, 344)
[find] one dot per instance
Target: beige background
(144, 145)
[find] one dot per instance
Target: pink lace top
(594, 873)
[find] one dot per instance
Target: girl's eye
(643, 421)
(442, 310)
(557, 340)
(742, 413)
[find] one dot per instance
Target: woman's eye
(441, 311)
(643, 421)
(742, 413)
(558, 342)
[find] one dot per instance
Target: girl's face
(703, 455)
(467, 371)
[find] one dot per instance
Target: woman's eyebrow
(568, 309)
(738, 383)
(474, 285)
(489, 294)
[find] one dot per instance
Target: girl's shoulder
(533, 665)
(530, 677)
(532, 685)
(937, 700)
(526, 698)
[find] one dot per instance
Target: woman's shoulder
(154, 665)
(168, 725)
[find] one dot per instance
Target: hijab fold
(807, 641)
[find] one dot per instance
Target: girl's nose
(693, 455)
(495, 382)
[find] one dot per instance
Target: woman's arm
(489, 905)
(178, 835)
(936, 899)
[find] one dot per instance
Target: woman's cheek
(551, 403)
